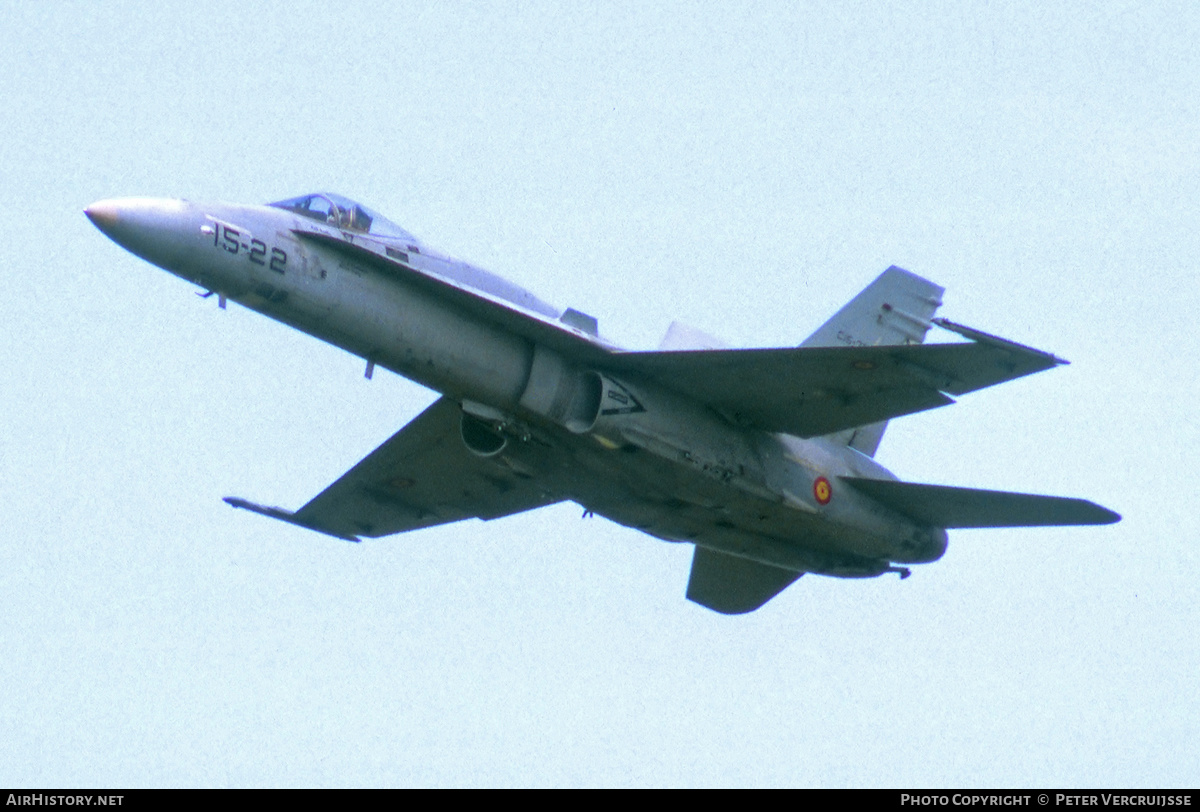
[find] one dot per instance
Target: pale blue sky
(746, 171)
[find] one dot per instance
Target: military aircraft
(761, 458)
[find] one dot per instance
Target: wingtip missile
(281, 514)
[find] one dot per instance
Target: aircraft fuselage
(640, 454)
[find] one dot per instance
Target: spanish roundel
(822, 490)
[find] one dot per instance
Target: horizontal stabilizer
(732, 585)
(942, 506)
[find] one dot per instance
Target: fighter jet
(760, 458)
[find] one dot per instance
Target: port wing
(422, 476)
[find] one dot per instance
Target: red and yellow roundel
(822, 490)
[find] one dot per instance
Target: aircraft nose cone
(155, 229)
(104, 215)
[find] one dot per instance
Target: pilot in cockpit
(343, 213)
(355, 219)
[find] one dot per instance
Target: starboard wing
(422, 476)
(811, 391)
(806, 391)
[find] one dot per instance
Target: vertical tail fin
(894, 309)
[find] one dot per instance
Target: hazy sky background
(743, 170)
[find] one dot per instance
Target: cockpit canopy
(344, 213)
